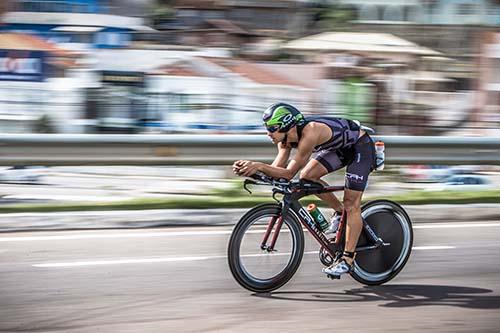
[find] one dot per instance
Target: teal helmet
(281, 117)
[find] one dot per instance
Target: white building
(34, 87)
(381, 45)
(442, 12)
(488, 102)
(221, 94)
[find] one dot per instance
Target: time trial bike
(267, 244)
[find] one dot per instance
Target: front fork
(275, 220)
(278, 221)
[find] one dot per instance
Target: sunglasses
(272, 129)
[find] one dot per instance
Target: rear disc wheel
(391, 223)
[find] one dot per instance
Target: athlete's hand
(237, 167)
(245, 168)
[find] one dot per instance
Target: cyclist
(335, 143)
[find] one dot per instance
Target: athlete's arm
(248, 168)
(304, 151)
(282, 157)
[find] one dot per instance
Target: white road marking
(117, 235)
(124, 261)
(184, 259)
(206, 233)
(454, 225)
(153, 260)
(437, 247)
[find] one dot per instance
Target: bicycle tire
(240, 274)
(390, 222)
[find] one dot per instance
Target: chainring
(325, 258)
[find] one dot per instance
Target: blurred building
(3, 6)
(317, 47)
(83, 24)
(34, 89)
(452, 27)
(56, 6)
(134, 8)
(217, 33)
(184, 90)
(386, 80)
(488, 103)
(434, 12)
(234, 23)
(116, 100)
(216, 64)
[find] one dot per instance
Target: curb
(135, 219)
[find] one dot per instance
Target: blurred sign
(22, 65)
(123, 78)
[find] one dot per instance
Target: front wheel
(253, 266)
(391, 223)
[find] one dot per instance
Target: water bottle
(317, 216)
(379, 155)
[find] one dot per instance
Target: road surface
(177, 280)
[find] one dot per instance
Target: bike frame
(290, 201)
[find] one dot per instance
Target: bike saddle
(367, 129)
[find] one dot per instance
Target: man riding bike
(334, 144)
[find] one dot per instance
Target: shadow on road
(399, 296)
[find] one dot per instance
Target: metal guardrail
(109, 149)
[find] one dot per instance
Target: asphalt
(131, 219)
(178, 280)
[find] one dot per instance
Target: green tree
(334, 18)
(162, 11)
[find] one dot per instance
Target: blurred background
(409, 67)
(425, 68)
(418, 67)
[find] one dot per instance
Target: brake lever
(246, 183)
(274, 195)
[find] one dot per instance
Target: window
(244, 14)
(369, 13)
(393, 13)
(495, 77)
(82, 38)
(430, 6)
(31, 6)
(79, 8)
(213, 14)
(46, 7)
(411, 13)
(61, 7)
(467, 9)
(187, 13)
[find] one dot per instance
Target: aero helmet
(281, 117)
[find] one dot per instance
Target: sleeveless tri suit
(345, 148)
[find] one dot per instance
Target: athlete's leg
(357, 172)
(313, 171)
(352, 205)
(360, 164)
